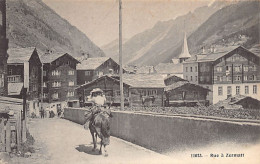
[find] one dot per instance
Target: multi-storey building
(228, 72)
(3, 50)
(92, 68)
(24, 71)
(59, 80)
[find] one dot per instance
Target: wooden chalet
(183, 93)
(24, 71)
(139, 89)
(59, 79)
(93, 68)
(110, 87)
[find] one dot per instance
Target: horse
(100, 126)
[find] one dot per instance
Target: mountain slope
(220, 24)
(150, 46)
(32, 23)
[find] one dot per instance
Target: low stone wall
(75, 115)
(161, 133)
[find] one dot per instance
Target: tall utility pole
(120, 56)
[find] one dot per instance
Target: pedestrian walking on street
(42, 112)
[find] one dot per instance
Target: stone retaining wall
(162, 133)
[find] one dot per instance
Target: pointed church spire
(185, 51)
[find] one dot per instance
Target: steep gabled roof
(92, 63)
(169, 68)
(184, 84)
(174, 78)
(144, 80)
(213, 56)
(100, 78)
(20, 55)
(50, 57)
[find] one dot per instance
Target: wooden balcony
(14, 79)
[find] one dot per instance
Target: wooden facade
(92, 68)
(18, 69)
(134, 95)
(59, 78)
(110, 87)
(185, 94)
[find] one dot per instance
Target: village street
(59, 141)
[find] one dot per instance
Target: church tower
(3, 50)
(185, 51)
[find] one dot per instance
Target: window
(237, 78)
(70, 94)
(186, 69)
(152, 92)
(70, 72)
(245, 78)
(254, 89)
(246, 90)
(190, 69)
(237, 68)
(237, 90)
(55, 73)
(228, 78)
(44, 84)
(196, 69)
(44, 73)
(190, 78)
(34, 87)
(229, 90)
(2, 81)
(44, 95)
(252, 77)
(10, 71)
(253, 68)
(245, 68)
(186, 77)
(87, 73)
(56, 84)
(219, 69)
(228, 68)
(220, 91)
(69, 62)
(71, 83)
(196, 78)
(34, 73)
(202, 79)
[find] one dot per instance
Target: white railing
(14, 79)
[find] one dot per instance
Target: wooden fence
(11, 131)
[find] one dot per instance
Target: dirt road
(59, 141)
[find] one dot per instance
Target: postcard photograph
(129, 81)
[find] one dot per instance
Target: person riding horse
(98, 100)
(98, 119)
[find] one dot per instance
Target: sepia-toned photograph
(129, 81)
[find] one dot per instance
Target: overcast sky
(98, 19)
